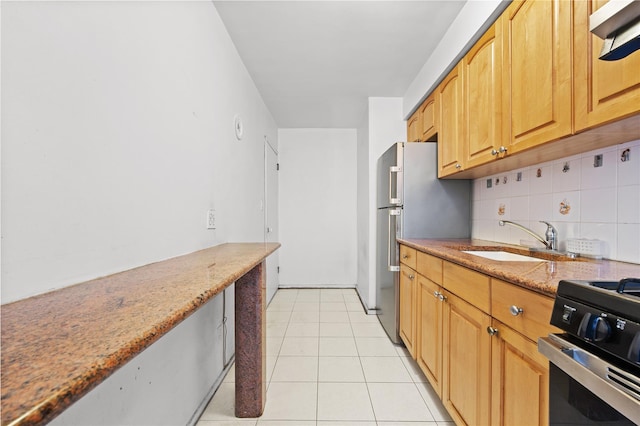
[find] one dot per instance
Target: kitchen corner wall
(579, 199)
(381, 127)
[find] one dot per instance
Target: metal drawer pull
(411, 276)
(492, 331)
(440, 296)
(515, 311)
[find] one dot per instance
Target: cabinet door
(429, 341)
(604, 90)
(407, 308)
(466, 362)
(520, 380)
(483, 93)
(428, 119)
(413, 128)
(451, 132)
(537, 71)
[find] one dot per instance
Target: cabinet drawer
(430, 267)
(408, 256)
(533, 321)
(469, 285)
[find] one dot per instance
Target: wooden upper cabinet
(413, 127)
(483, 99)
(537, 71)
(428, 119)
(604, 90)
(451, 131)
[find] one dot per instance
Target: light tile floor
(330, 364)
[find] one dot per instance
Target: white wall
(382, 127)
(317, 207)
(472, 21)
(117, 136)
(362, 211)
(598, 202)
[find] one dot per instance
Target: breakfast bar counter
(58, 346)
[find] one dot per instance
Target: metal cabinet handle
(405, 256)
(439, 296)
(500, 150)
(458, 166)
(492, 331)
(515, 310)
(411, 276)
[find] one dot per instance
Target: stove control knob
(567, 313)
(594, 328)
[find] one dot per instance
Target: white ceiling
(316, 62)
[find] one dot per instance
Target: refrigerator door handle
(392, 240)
(394, 199)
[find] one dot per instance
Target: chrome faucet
(551, 235)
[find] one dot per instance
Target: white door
(271, 213)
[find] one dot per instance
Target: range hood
(618, 24)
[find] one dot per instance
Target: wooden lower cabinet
(520, 380)
(480, 358)
(429, 342)
(408, 291)
(466, 364)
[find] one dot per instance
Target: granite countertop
(58, 346)
(542, 277)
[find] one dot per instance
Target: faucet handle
(549, 226)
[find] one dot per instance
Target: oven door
(585, 390)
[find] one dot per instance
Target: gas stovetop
(602, 314)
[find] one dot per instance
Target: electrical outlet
(211, 219)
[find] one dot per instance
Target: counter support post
(250, 345)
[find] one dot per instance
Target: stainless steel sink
(503, 256)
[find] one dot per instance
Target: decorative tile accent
(625, 155)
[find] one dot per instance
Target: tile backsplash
(595, 195)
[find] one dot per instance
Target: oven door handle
(614, 386)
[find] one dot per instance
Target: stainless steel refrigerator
(412, 203)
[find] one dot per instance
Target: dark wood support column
(251, 373)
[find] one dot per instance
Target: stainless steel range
(594, 365)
